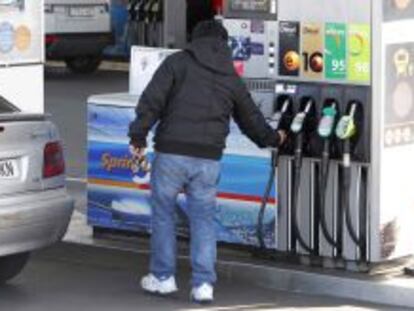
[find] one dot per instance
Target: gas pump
(147, 15)
(155, 19)
(343, 192)
(158, 23)
(140, 24)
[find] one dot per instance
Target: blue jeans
(198, 178)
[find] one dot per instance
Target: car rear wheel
(11, 266)
(84, 64)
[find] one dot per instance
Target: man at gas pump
(192, 97)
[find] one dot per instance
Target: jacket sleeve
(151, 104)
(251, 120)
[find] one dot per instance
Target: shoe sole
(159, 293)
(201, 302)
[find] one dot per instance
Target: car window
(6, 107)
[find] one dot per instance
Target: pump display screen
(251, 9)
(262, 6)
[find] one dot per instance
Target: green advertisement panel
(335, 51)
(359, 52)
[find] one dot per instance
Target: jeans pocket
(218, 178)
(211, 174)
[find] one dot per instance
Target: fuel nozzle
(300, 118)
(298, 127)
(276, 119)
(345, 131)
(327, 123)
(346, 128)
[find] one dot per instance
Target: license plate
(9, 169)
(82, 11)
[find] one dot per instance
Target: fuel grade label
(359, 53)
(335, 51)
(312, 51)
(289, 49)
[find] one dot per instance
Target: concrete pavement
(76, 278)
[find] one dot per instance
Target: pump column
(22, 54)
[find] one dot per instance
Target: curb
(398, 292)
(106, 65)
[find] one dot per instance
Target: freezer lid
(125, 100)
(76, 2)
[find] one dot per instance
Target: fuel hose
(358, 239)
(275, 122)
(325, 131)
(298, 127)
(265, 199)
(347, 130)
(324, 178)
(295, 196)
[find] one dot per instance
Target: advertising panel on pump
(398, 9)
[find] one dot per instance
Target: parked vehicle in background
(35, 208)
(77, 32)
(12, 3)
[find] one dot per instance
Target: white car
(35, 208)
(77, 32)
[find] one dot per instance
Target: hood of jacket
(213, 54)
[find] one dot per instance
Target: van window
(6, 107)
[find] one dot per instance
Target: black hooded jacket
(192, 96)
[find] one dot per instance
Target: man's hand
(282, 136)
(137, 152)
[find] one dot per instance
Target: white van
(13, 3)
(77, 31)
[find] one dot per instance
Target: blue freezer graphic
(117, 199)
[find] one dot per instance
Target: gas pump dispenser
(343, 194)
(157, 23)
(342, 198)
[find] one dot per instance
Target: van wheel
(84, 64)
(11, 266)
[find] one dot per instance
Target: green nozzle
(346, 128)
(327, 123)
(329, 111)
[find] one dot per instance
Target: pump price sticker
(359, 52)
(335, 51)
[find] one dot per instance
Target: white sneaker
(202, 294)
(151, 284)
